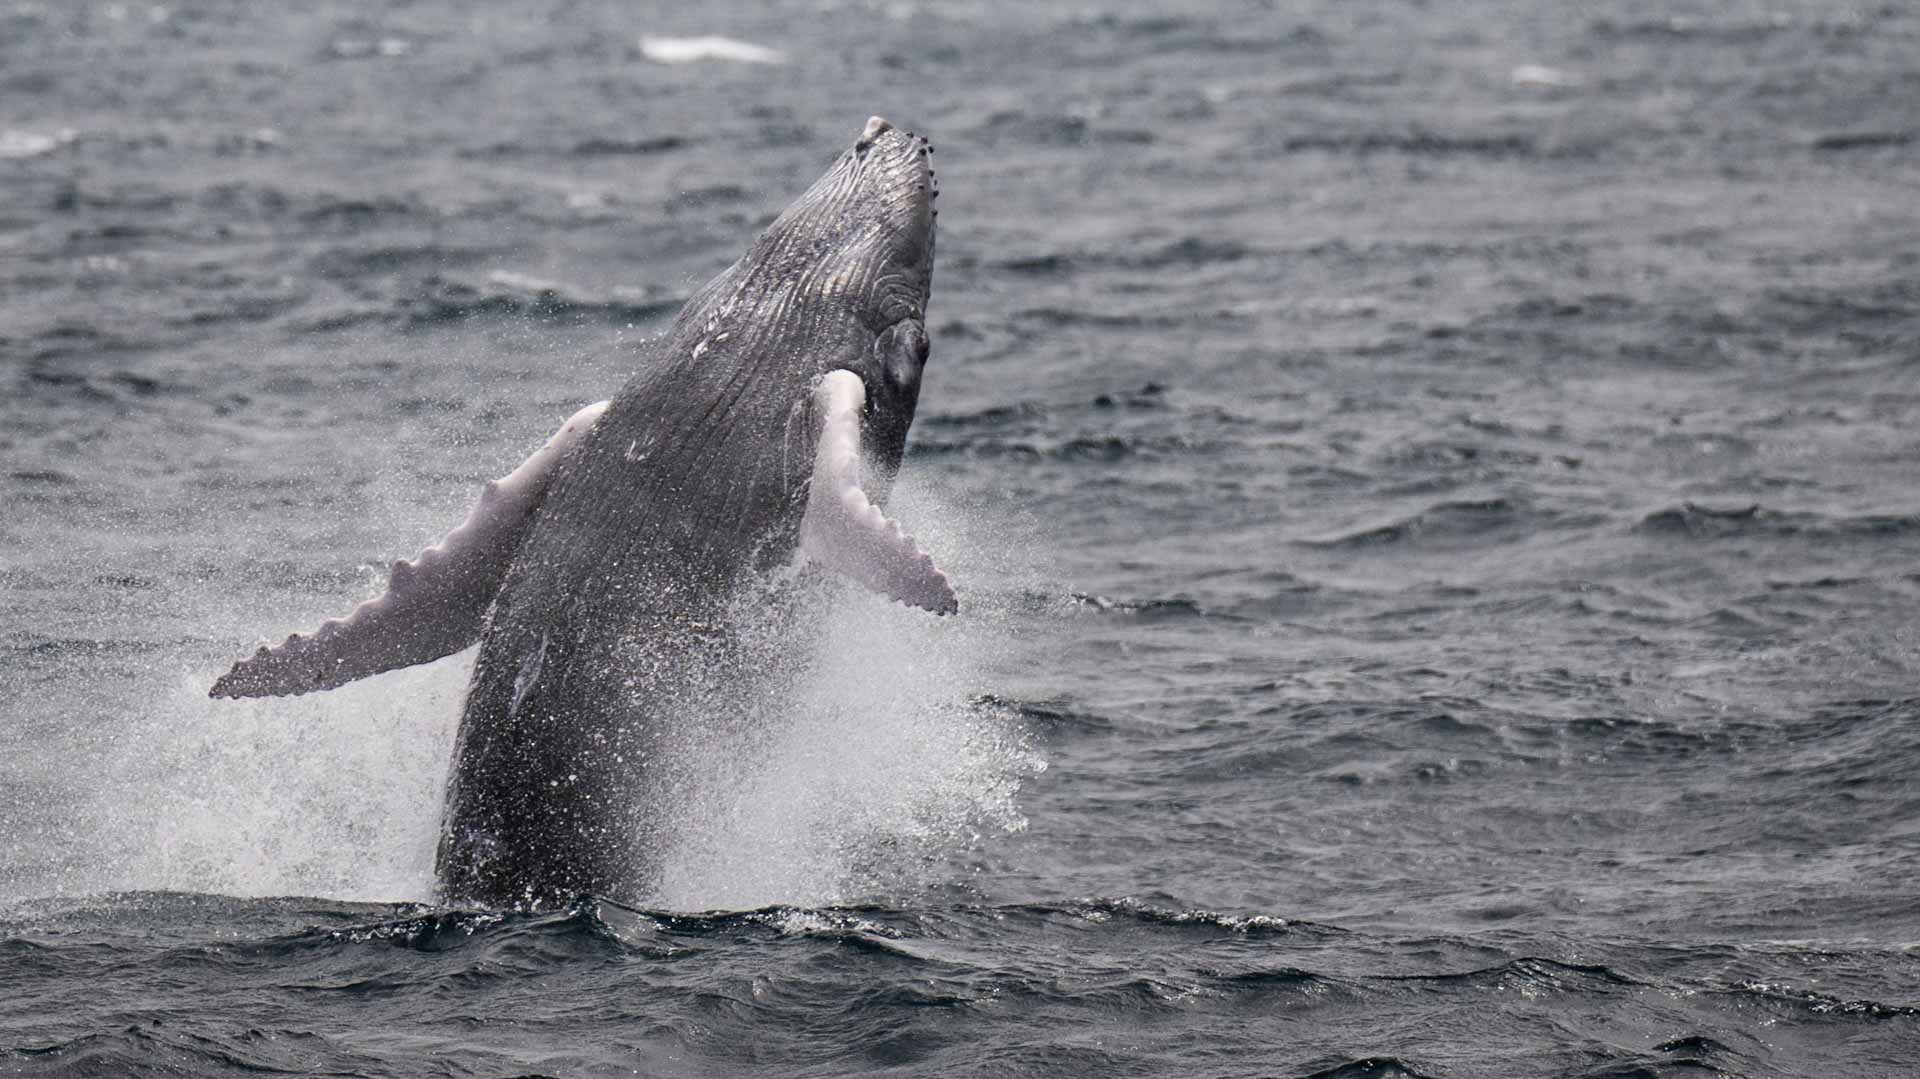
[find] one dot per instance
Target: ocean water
(1434, 491)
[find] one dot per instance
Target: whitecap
(688, 50)
(16, 144)
(1541, 75)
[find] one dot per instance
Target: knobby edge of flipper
(434, 605)
(842, 528)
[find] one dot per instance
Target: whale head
(861, 239)
(867, 227)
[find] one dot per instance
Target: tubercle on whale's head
(869, 224)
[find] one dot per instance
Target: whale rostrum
(598, 576)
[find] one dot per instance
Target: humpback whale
(605, 578)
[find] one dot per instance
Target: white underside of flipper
(434, 606)
(843, 529)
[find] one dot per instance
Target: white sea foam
(689, 50)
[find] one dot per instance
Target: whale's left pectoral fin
(843, 529)
(434, 606)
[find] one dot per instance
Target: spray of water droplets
(851, 777)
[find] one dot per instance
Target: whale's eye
(903, 351)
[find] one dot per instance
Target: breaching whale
(603, 577)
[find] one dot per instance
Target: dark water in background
(1436, 489)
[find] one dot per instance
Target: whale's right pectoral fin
(843, 529)
(434, 606)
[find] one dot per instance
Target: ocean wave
(1535, 974)
(1173, 609)
(628, 147)
(1076, 448)
(1734, 30)
(1368, 1068)
(1050, 718)
(1037, 128)
(1184, 252)
(1442, 523)
(1785, 999)
(920, 981)
(438, 298)
(1862, 140)
(1134, 911)
(1702, 522)
(1415, 143)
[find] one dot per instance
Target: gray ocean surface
(1434, 490)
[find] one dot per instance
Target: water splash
(874, 760)
(867, 769)
(852, 777)
(334, 794)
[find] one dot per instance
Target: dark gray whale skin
(610, 625)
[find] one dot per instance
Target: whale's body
(607, 578)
